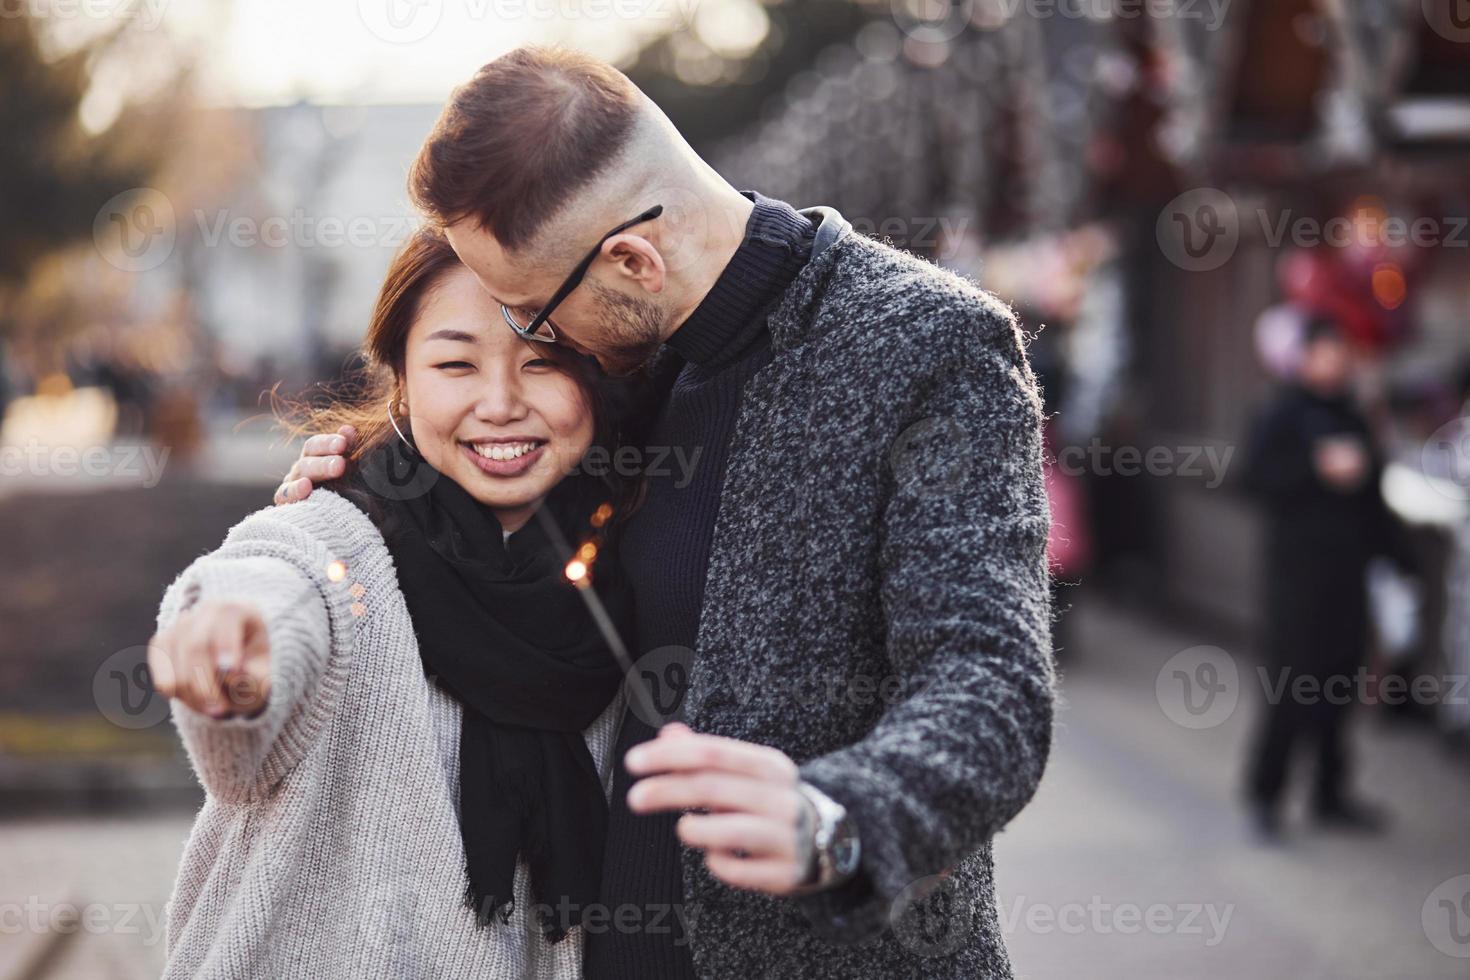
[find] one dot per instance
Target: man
(855, 566)
(1313, 467)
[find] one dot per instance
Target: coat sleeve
(241, 760)
(966, 601)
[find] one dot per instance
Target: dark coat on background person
(1319, 541)
(877, 607)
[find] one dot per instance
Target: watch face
(844, 850)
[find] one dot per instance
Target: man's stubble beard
(632, 330)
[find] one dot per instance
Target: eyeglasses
(539, 327)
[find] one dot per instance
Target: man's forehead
(495, 268)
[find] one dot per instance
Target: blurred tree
(712, 86)
(54, 173)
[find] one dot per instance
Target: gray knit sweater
(878, 608)
(328, 845)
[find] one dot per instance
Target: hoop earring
(394, 422)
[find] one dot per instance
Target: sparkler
(578, 572)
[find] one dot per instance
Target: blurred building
(1142, 186)
(285, 263)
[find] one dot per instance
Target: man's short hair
(516, 141)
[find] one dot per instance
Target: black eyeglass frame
(543, 318)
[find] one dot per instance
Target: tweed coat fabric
(877, 607)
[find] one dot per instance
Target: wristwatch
(836, 850)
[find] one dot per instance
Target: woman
(397, 704)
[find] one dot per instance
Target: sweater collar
(777, 243)
(791, 321)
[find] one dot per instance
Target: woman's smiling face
(486, 409)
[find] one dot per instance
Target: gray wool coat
(877, 607)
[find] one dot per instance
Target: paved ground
(1139, 811)
(1132, 862)
(83, 899)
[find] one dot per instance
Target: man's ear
(634, 259)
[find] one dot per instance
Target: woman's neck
(512, 519)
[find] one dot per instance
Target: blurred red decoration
(1360, 287)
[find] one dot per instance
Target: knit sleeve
(966, 604)
(279, 571)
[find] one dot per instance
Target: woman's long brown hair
(365, 399)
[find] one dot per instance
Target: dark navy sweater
(665, 549)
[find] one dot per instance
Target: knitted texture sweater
(665, 550)
(328, 844)
(877, 607)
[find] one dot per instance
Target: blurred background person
(1314, 467)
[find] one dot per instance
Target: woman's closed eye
(454, 365)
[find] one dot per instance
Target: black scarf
(507, 635)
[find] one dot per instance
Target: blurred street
(1137, 817)
(1137, 810)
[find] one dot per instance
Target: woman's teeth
(502, 450)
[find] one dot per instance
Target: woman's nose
(501, 403)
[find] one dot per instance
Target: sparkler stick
(578, 568)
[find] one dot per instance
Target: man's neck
(726, 231)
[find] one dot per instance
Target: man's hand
(321, 460)
(757, 831)
(215, 658)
